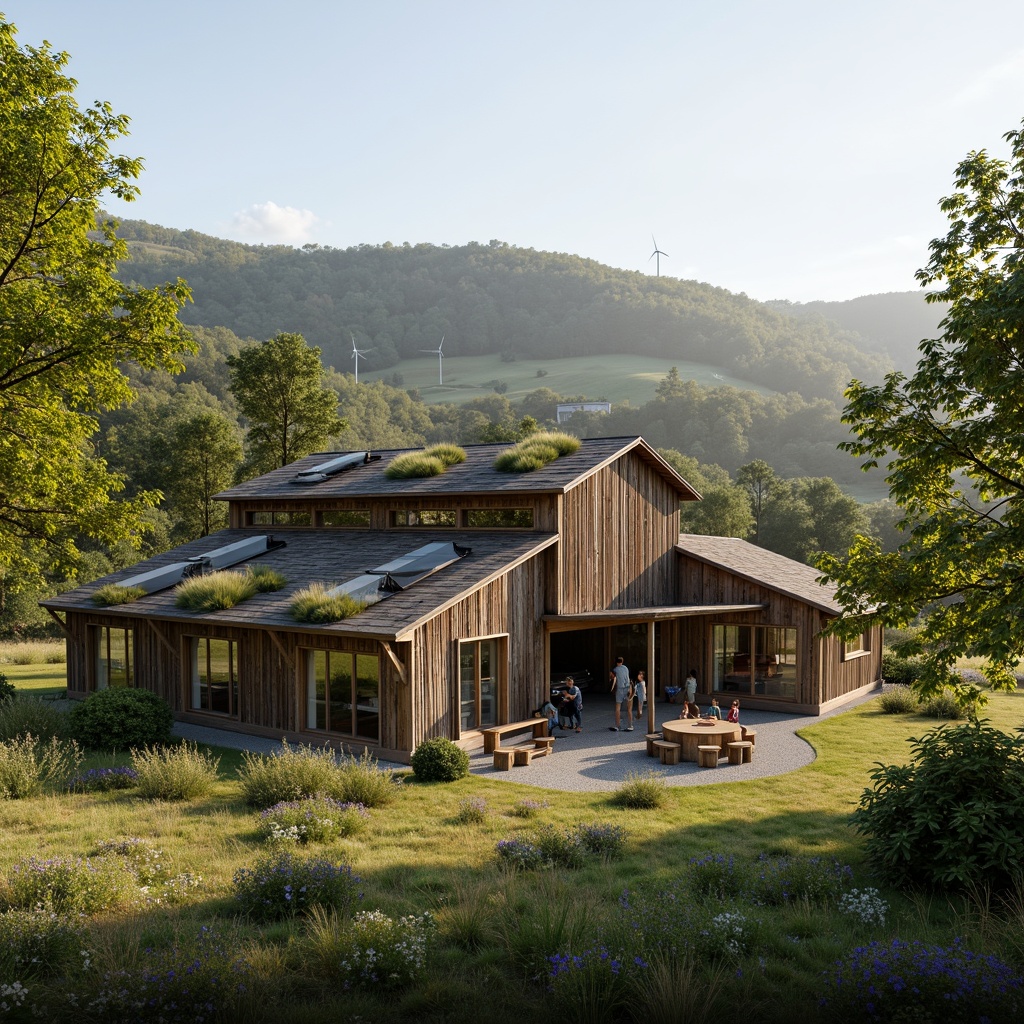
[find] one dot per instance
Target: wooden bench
(667, 751)
(749, 734)
(651, 737)
(707, 756)
(505, 757)
(493, 734)
(741, 752)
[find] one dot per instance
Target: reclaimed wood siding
(619, 529)
(510, 605)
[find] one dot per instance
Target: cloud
(1006, 75)
(268, 222)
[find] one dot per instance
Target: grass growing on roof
(315, 604)
(265, 578)
(114, 593)
(225, 589)
(536, 451)
(429, 462)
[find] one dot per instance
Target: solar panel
(319, 473)
(402, 572)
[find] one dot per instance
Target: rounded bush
(7, 690)
(440, 760)
(900, 700)
(902, 671)
(120, 718)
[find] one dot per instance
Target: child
(713, 711)
(640, 692)
(734, 713)
(551, 712)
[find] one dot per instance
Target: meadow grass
(495, 928)
(32, 652)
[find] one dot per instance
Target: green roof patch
(317, 605)
(429, 462)
(113, 593)
(536, 451)
(221, 590)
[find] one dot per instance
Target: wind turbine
(357, 352)
(440, 356)
(657, 252)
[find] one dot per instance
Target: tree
(836, 517)
(761, 484)
(279, 387)
(950, 436)
(66, 322)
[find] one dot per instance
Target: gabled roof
(795, 579)
(329, 557)
(476, 475)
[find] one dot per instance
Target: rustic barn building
(495, 584)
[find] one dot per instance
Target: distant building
(566, 409)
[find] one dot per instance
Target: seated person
(551, 713)
(713, 711)
(734, 713)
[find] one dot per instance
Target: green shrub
(316, 820)
(39, 943)
(121, 717)
(7, 690)
(412, 465)
(898, 670)
(472, 811)
(953, 817)
(283, 885)
(298, 773)
(113, 593)
(528, 808)
(181, 772)
(943, 705)
(900, 700)
(104, 780)
(70, 885)
(27, 763)
(439, 760)
(29, 715)
(314, 604)
(214, 592)
(642, 791)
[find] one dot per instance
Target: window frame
(309, 657)
(194, 683)
(413, 517)
(98, 644)
(499, 679)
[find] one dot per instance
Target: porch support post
(393, 658)
(651, 680)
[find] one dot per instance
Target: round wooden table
(691, 733)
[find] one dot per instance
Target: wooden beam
(160, 636)
(393, 658)
(277, 643)
(60, 622)
(651, 679)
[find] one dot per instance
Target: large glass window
(343, 693)
(355, 518)
(759, 660)
(278, 519)
(214, 675)
(479, 670)
(430, 517)
(499, 518)
(115, 656)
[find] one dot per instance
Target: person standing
(640, 692)
(623, 690)
(575, 695)
(691, 687)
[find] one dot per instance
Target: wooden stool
(749, 734)
(503, 759)
(547, 742)
(741, 752)
(651, 737)
(668, 752)
(524, 755)
(707, 756)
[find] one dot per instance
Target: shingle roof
(765, 567)
(330, 557)
(476, 475)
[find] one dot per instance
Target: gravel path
(598, 759)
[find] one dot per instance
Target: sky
(789, 150)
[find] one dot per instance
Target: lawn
(434, 850)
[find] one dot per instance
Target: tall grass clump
(113, 593)
(292, 773)
(33, 652)
(900, 700)
(40, 943)
(412, 465)
(30, 716)
(316, 605)
(943, 705)
(361, 780)
(181, 772)
(214, 592)
(265, 579)
(536, 451)
(121, 717)
(449, 454)
(642, 791)
(282, 885)
(69, 885)
(28, 763)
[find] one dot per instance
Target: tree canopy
(66, 321)
(950, 437)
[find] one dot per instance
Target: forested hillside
(492, 298)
